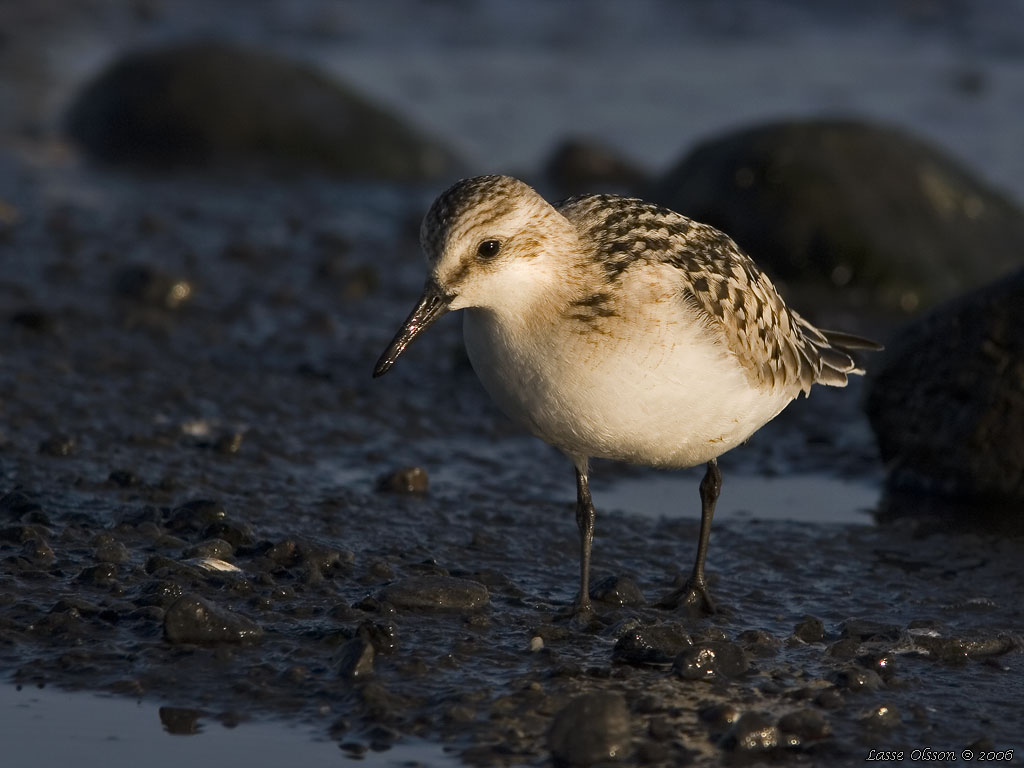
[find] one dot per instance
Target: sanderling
(614, 328)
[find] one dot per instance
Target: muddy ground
(185, 378)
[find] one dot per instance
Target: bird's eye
(488, 249)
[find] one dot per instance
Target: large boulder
(947, 405)
(214, 104)
(874, 215)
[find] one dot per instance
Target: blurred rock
(947, 405)
(592, 728)
(581, 165)
(211, 104)
(408, 480)
(443, 593)
(191, 619)
(867, 212)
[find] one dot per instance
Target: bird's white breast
(651, 385)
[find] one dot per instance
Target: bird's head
(491, 242)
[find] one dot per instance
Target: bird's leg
(694, 593)
(585, 521)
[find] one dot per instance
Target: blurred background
(208, 233)
(505, 82)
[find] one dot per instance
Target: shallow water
(43, 727)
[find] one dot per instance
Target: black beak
(432, 304)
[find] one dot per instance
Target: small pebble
(710, 660)
(407, 480)
(810, 630)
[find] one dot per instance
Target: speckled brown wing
(721, 284)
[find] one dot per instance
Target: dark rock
(38, 552)
(857, 679)
(805, 724)
(102, 575)
(617, 590)
(58, 445)
(956, 650)
(752, 732)
(196, 515)
(653, 644)
(581, 165)
(592, 728)
(16, 505)
(946, 406)
(411, 480)
(867, 629)
(110, 550)
(844, 650)
(810, 630)
(759, 642)
(719, 716)
(190, 619)
(444, 593)
(211, 104)
(356, 659)
(149, 286)
(124, 478)
(217, 548)
(711, 659)
(235, 534)
(867, 210)
(882, 717)
(229, 444)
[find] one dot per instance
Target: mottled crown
(468, 204)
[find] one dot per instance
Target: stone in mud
(753, 732)
(652, 644)
(215, 105)
(592, 728)
(216, 548)
(810, 630)
(710, 660)
(148, 286)
(759, 642)
(882, 717)
(58, 445)
(356, 658)
(190, 619)
(196, 515)
(805, 725)
(617, 590)
(110, 550)
(443, 593)
(580, 165)
(16, 505)
(857, 679)
(946, 405)
(409, 480)
(860, 210)
(868, 629)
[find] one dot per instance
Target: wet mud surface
(206, 505)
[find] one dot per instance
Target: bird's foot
(692, 596)
(580, 614)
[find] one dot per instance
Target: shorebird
(614, 328)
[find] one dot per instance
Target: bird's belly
(676, 401)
